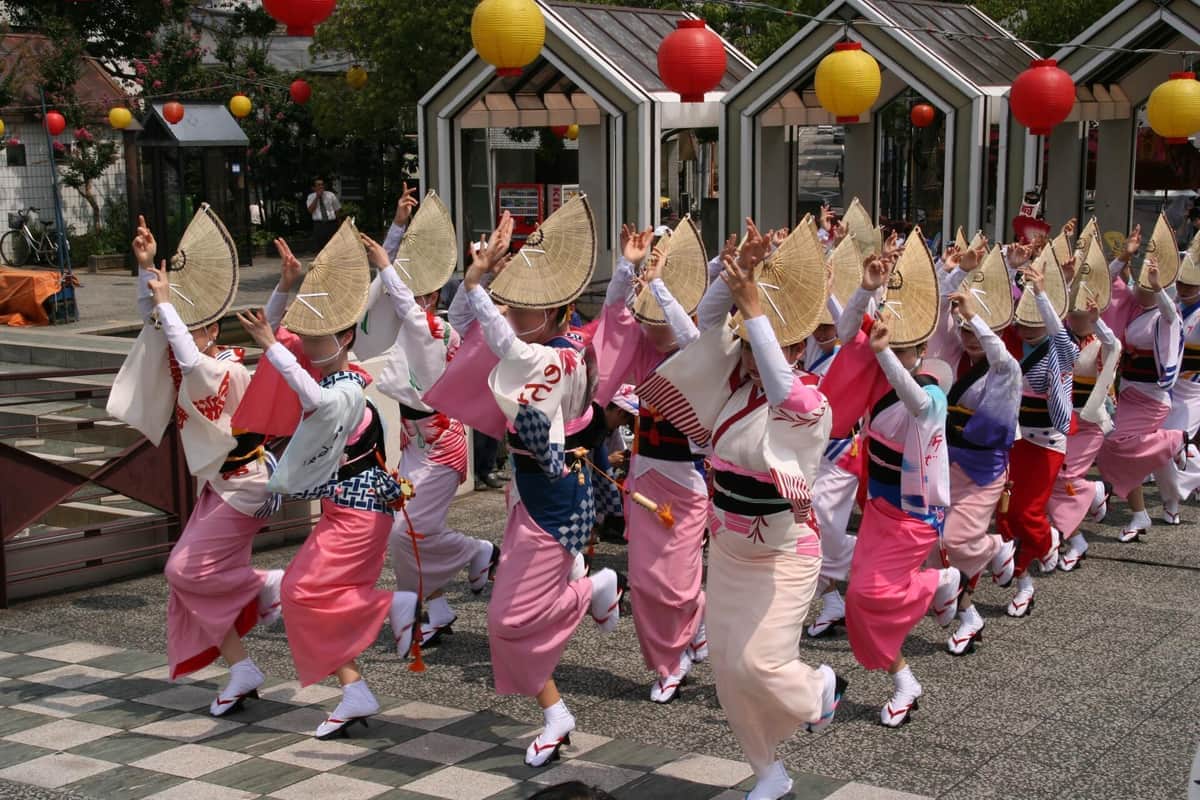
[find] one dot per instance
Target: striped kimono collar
(1051, 375)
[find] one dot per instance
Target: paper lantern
(559, 130)
(691, 60)
(1, 127)
(847, 81)
(300, 16)
(240, 106)
(173, 112)
(572, 132)
(922, 115)
(356, 77)
(1042, 96)
(300, 91)
(119, 117)
(508, 34)
(1173, 109)
(56, 123)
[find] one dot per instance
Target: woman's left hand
(255, 323)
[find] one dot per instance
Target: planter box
(114, 261)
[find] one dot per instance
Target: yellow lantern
(572, 132)
(356, 76)
(1173, 109)
(119, 117)
(240, 105)
(1, 127)
(847, 81)
(508, 34)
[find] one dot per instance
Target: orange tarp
(22, 292)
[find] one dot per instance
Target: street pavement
(1095, 695)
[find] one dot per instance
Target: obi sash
(742, 494)
(1139, 366)
(657, 438)
(1190, 363)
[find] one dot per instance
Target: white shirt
(328, 202)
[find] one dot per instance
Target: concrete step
(52, 348)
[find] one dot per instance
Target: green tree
(88, 160)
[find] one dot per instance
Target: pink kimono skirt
(213, 586)
(889, 592)
(665, 570)
(1073, 492)
(758, 599)
(1138, 445)
(968, 545)
(331, 608)
(535, 606)
(444, 552)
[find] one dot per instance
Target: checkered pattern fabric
(608, 498)
(533, 426)
(371, 490)
(576, 531)
(103, 722)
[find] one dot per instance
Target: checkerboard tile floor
(101, 722)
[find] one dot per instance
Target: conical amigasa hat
(862, 229)
(556, 262)
(991, 288)
(847, 267)
(204, 270)
(1089, 232)
(910, 304)
(791, 286)
(1055, 289)
(1062, 248)
(334, 293)
(1189, 267)
(684, 271)
(1162, 247)
(428, 252)
(1091, 281)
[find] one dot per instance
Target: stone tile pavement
(103, 722)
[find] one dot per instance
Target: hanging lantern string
(948, 34)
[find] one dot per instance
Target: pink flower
(157, 84)
(140, 68)
(14, 142)
(59, 147)
(83, 135)
(155, 59)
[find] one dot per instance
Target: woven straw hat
(1055, 288)
(862, 229)
(556, 262)
(1062, 248)
(960, 240)
(1189, 267)
(334, 292)
(1083, 243)
(791, 284)
(684, 271)
(1162, 247)
(428, 253)
(204, 270)
(910, 304)
(1091, 281)
(846, 264)
(989, 284)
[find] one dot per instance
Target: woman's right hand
(144, 246)
(290, 268)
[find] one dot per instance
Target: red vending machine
(524, 202)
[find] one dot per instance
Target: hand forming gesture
(405, 205)
(881, 337)
(964, 302)
(159, 286)
(1035, 277)
(255, 323)
(290, 268)
(375, 252)
(1151, 271)
(492, 255)
(742, 286)
(755, 249)
(635, 244)
(875, 272)
(653, 267)
(1132, 244)
(144, 246)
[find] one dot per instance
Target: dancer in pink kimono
(434, 446)
(665, 563)
(1148, 323)
(1177, 483)
(331, 607)
(216, 596)
(767, 425)
(908, 489)
(541, 385)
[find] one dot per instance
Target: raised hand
(971, 259)
(255, 323)
(742, 286)
(290, 268)
(754, 250)
(653, 267)
(1151, 270)
(405, 205)
(635, 244)
(1019, 255)
(1069, 229)
(1132, 244)
(964, 302)
(375, 252)
(881, 337)
(159, 286)
(144, 246)
(729, 250)
(875, 272)
(1035, 277)
(827, 218)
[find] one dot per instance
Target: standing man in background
(323, 205)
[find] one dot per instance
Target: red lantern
(922, 115)
(1042, 96)
(691, 60)
(173, 112)
(300, 91)
(56, 123)
(300, 16)
(559, 130)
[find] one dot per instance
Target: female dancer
(216, 597)
(541, 384)
(768, 426)
(665, 564)
(331, 606)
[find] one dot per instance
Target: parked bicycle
(29, 239)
